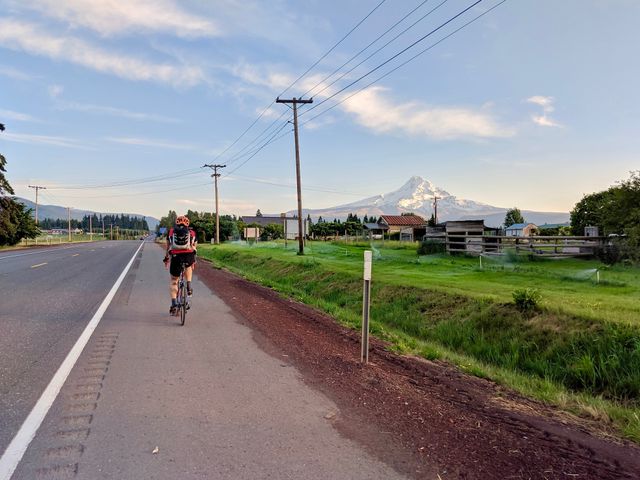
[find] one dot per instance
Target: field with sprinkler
(566, 332)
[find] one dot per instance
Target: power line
(404, 63)
(259, 149)
(297, 80)
(265, 133)
(421, 39)
(367, 47)
(331, 49)
(136, 181)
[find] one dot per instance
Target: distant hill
(416, 196)
(55, 211)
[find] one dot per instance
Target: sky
(115, 106)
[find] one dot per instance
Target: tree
(614, 211)
(512, 217)
(16, 222)
(5, 188)
(258, 213)
(432, 221)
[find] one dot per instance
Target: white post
(598, 276)
(366, 298)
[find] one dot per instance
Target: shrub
(526, 299)
(430, 247)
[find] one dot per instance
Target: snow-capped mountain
(417, 196)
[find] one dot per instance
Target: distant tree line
(231, 226)
(122, 221)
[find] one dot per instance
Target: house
(521, 230)
(408, 227)
(289, 224)
(375, 231)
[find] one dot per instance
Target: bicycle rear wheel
(182, 296)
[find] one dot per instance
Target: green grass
(580, 349)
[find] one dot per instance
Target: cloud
(55, 90)
(114, 17)
(15, 74)
(546, 103)
(544, 121)
(43, 140)
(147, 142)
(116, 112)
(373, 111)
(20, 117)
(34, 40)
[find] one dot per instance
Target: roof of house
(375, 226)
(404, 220)
(263, 220)
(519, 226)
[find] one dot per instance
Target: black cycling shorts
(177, 259)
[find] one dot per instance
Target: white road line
(75, 254)
(15, 451)
(35, 253)
(39, 265)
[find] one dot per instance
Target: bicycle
(183, 296)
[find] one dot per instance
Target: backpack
(181, 238)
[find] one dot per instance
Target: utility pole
(69, 222)
(215, 176)
(435, 208)
(295, 101)
(91, 227)
(37, 187)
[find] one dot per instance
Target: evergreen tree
(512, 217)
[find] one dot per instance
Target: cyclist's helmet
(182, 220)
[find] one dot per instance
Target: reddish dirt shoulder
(427, 419)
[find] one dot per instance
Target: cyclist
(181, 249)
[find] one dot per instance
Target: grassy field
(580, 349)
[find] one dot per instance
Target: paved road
(214, 404)
(48, 296)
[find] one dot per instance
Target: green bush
(526, 299)
(430, 247)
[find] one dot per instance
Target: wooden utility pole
(215, 176)
(435, 208)
(69, 222)
(295, 101)
(91, 227)
(37, 187)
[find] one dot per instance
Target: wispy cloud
(546, 103)
(148, 142)
(374, 111)
(44, 140)
(20, 117)
(35, 40)
(15, 74)
(116, 112)
(55, 91)
(110, 17)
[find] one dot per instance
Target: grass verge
(580, 363)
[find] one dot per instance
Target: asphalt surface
(48, 296)
(149, 399)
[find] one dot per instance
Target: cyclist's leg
(188, 272)
(174, 271)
